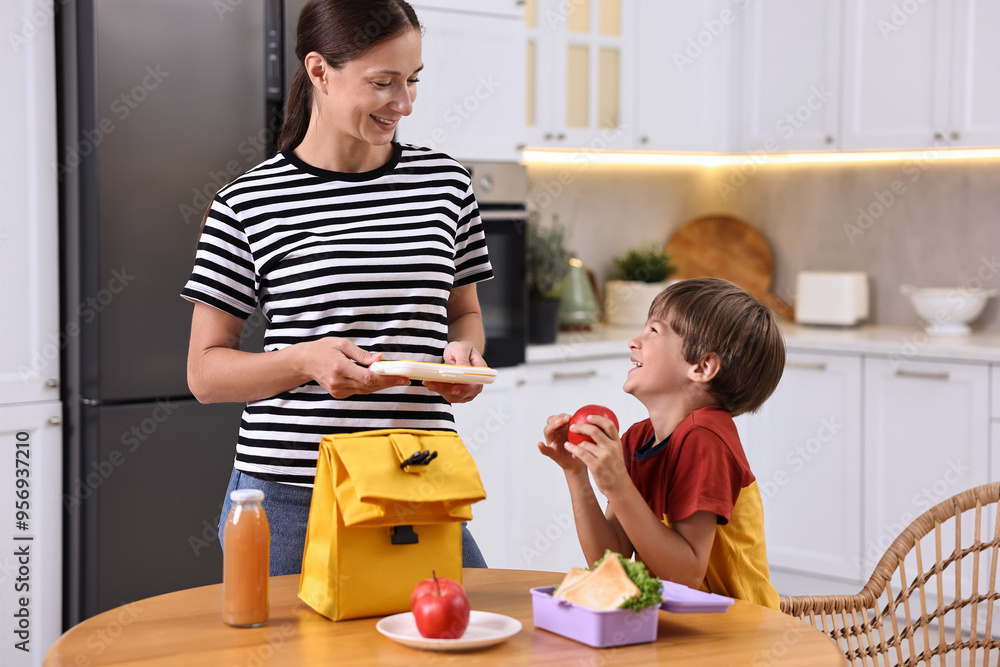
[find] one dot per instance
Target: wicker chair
(933, 593)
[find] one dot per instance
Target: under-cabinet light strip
(560, 156)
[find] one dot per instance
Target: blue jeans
(287, 509)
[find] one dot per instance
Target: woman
(354, 247)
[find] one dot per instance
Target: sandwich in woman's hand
(614, 583)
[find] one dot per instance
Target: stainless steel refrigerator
(161, 103)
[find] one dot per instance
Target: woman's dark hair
(340, 31)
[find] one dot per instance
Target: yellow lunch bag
(386, 509)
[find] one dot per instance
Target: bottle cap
(246, 495)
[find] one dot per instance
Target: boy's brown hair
(714, 315)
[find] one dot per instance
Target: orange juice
(246, 546)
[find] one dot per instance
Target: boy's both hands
(602, 457)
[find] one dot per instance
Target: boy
(682, 498)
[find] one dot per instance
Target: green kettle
(578, 292)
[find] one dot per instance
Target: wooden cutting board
(723, 246)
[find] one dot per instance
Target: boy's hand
(555, 440)
(603, 456)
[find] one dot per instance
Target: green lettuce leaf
(651, 588)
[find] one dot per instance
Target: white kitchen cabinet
(486, 426)
(470, 98)
(921, 74)
(580, 65)
(805, 451)
(788, 76)
(995, 452)
(31, 492)
(896, 73)
(975, 76)
(926, 437)
(683, 75)
(501, 7)
(31, 341)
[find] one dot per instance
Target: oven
(501, 190)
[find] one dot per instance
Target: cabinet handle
(828, 139)
(560, 136)
(918, 374)
(55, 421)
(52, 384)
(643, 140)
(547, 136)
(806, 366)
(938, 136)
(578, 375)
(955, 136)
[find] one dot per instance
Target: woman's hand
(554, 446)
(459, 353)
(603, 457)
(330, 361)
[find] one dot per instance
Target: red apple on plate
(580, 417)
(440, 608)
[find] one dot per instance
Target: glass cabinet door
(576, 60)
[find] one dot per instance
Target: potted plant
(547, 264)
(641, 273)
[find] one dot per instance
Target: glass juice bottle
(246, 546)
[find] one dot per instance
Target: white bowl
(947, 311)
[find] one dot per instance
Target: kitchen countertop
(901, 343)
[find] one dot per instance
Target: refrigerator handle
(274, 38)
(274, 70)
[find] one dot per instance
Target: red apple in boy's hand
(580, 417)
(440, 608)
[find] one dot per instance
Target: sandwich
(613, 583)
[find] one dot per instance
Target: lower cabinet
(851, 448)
(926, 439)
(995, 451)
(804, 447)
(31, 563)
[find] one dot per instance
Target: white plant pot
(626, 302)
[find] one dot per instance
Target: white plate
(485, 629)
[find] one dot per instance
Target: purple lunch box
(618, 627)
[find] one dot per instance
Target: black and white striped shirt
(369, 256)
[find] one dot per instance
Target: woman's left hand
(459, 353)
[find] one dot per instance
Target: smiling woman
(356, 248)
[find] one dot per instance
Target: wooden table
(186, 628)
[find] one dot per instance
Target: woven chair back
(932, 595)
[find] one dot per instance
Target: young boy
(682, 498)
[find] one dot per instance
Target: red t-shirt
(700, 466)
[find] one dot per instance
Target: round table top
(186, 628)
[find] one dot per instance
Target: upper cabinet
(896, 74)
(31, 339)
(706, 75)
(579, 64)
(682, 87)
(501, 7)
(470, 99)
(975, 74)
(788, 76)
(920, 74)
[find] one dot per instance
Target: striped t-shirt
(367, 256)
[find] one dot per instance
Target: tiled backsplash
(930, 224)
